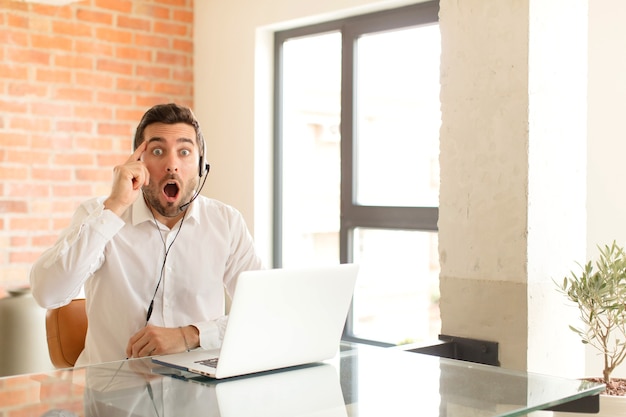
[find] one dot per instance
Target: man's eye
(157, 152)
(185, 152)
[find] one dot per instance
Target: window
(357, 163)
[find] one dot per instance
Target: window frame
(352, 215)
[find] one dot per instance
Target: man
(154, 256)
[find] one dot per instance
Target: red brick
(172, 28)
(38, 23)
(151, 100)
(30, 123)
(178, 3)
(23, 256)
(153, 71)
(94, 16)
(173, 59)
(111, 160)
(51, 109)
(64, 206)
(10, 140)
(129, 22)
(13, 206)
(110, 65)
(183, 16)
(183, 45)
(96, 144)
(132, 115)
(113, 97)
(156, 41)
(73, 125)
(113, 129)
(91, 111)
(17, 241)
(114, 35)
(64, 12)
(102, 81)
(14, 71)
(72, 28)
(74, 94)
(74, 61)
(51, 42)
(14, 38)
(134, 54)
(28, 56)
(51, 174)
(48, 141)
(28, 157)
(18, 21)
(133, 84)
(93, 175)
(29, 223)
(71, 190)
(28, 189)
(73, 159)
(93, 48)
(172, 88)
(27, 89)
(12, 173)
(124, 6)
(183, 75)
(53, 76)
(152, 10)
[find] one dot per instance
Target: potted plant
(599, 291)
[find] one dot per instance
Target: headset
(203, 166)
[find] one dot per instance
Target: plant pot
(610, 406)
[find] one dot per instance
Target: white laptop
(278, 318)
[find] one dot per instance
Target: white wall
(606, 195)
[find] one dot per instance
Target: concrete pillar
(512, 199)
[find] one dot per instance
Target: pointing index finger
(136, 156)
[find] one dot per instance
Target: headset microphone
(183, 207)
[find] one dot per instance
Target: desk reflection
(138, 388)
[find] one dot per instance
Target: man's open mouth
(171, 190)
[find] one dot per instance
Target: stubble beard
(152, 192)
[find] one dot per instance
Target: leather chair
(66, 328)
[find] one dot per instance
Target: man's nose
(172, 164)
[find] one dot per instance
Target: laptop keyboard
(212, 363)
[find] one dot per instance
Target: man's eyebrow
(179, 140)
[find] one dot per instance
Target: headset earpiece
(203, 166)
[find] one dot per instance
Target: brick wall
(74, 81)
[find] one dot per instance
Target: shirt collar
(141, 212)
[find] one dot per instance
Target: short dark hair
(170, 113)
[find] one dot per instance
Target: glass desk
(360, 381)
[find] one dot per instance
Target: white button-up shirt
(118, 261)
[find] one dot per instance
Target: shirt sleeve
(212, 332)
(59, 274)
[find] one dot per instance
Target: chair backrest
(66, 328)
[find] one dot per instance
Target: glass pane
(398, 118)
(397, 295)
(311, 149)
